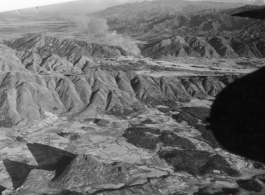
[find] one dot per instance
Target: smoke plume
(99, 29)
(93, 26)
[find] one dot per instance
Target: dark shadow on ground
(215, 191)
(47, 155)
(18, 171)
(61, 165)
(2, 189)
(237, 117)
(44, 156)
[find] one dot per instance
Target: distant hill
(159, 23)
(213, 47)
(148, 20)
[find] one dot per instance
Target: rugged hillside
(176, 46)
(162, 24)
(212, 47)
(223, 47)
(83, 118)
(63, 77)
(26, 96)
(148, 20)
(41, 53)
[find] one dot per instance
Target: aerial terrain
(116, 102)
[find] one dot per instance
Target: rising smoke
(92, 26)
(99, 28)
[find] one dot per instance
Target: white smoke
(92, 26)
(99, 29)
(124, 41)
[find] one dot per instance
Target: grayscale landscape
(116, 101)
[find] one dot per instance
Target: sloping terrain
(164, 25)
(43, 53)
(150, 18)
(213, 47)
(176, 47)
(223, 47)
(26, 95)
(147, 20)
(84, 118)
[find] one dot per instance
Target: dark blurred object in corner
(237, 117)
(256, 13)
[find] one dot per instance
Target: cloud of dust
(92, 25)
(99, 29)
(124, 41)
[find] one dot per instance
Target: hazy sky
(80, 6)
(84, 6)
(77, 6)
(95, 5)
